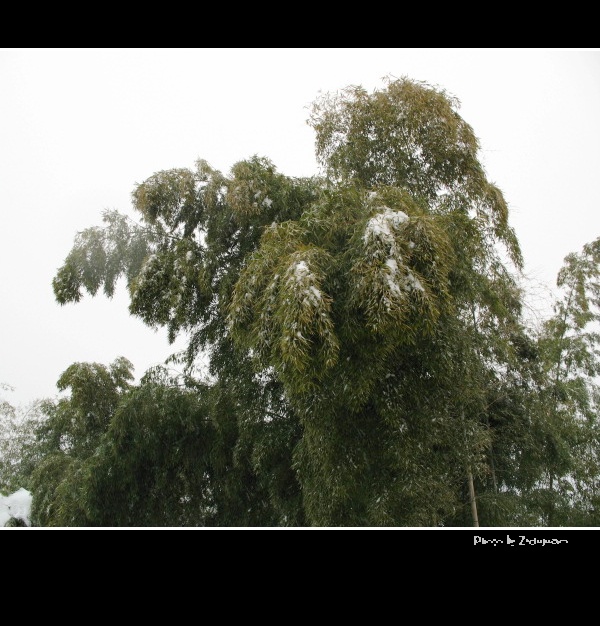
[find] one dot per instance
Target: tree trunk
(472, 497)
(470, 475)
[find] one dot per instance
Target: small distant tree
(18, 454)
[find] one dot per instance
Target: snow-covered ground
(17, 504)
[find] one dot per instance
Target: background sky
(80, 127)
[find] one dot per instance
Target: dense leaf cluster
(368, 363)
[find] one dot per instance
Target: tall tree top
(409, 135)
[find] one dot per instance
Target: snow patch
(301, 275)
(381, 228)
(301, 270)
(402, 278)
(413, 282)
(17, 505)
(382, 225)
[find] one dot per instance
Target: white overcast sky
(80, 127)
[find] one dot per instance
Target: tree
(180, 264)
(566, 405)
(160, 453)
(151, 467)
(363, 329)
(70, 435)
(17, 442)
(7, 442)
(378, 307)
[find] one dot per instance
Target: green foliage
(70, 434)
(76, 423)
(410, 136)
(390, 272)
(367, 357)
(167, 456)
(18, 448)
(152, 466)
(56, 496)
(566, 406)
(407, 135)
(99, 257)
